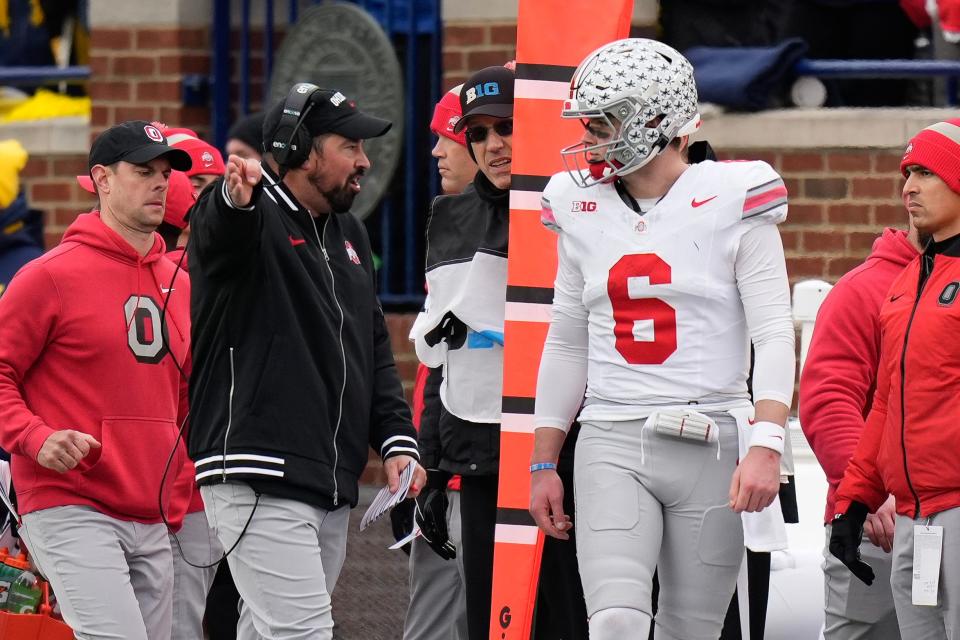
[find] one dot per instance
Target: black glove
(401, 521)
(432, 504)
(450, 329)
(845, 541)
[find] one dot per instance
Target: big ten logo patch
(583, 206)
(481, 90)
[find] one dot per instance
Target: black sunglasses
(478, 133)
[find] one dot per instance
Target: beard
(340, 198)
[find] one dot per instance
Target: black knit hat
(248, 131)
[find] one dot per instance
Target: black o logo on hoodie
(949, 294)
(144, 331)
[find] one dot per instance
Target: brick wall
(839, 202)
(468, 47)
(51, 186)
(136, 74)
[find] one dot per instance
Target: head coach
(293, 374)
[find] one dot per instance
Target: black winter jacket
(293, 376)
(460, 226)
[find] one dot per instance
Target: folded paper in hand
(386, 500)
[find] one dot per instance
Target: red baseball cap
(446, 115)
(180, 197)
(206, 157)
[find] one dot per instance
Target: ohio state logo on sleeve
(145, 336)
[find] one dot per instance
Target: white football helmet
(644, 92)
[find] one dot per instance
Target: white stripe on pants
(287, 563)
(112, 578)
(928, 623)
(199, 545)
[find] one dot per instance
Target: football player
(667, 272)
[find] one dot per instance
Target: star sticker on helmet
(636, 81)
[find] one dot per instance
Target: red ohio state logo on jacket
(354, 258)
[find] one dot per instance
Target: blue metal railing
(950, 69)
(396, 226)
(42, 75)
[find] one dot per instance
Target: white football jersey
(665, 318)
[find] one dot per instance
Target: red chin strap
(602, 172)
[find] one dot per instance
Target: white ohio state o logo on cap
(207, 158)
(153, 133)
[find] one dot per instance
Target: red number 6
(627, 311)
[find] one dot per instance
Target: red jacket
(910, 445)
(947, 11)
(80, 348)
(840, 372)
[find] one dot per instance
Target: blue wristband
(542, 466)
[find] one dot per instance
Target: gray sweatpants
(854, 611)
(112, 578)
(669, 512)
(919, 622)
(286, 565)
(199, 545)
(438, 604)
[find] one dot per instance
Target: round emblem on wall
(341, 47)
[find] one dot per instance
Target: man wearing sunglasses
(460, 334)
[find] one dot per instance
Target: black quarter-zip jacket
(293, 376)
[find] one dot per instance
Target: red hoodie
(80, 349)
(840, 373)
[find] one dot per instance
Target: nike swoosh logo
(695, 204)
(165, 290)
(296, 241)
(896, 297)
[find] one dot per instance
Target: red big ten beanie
(936, 148)
(446, 115)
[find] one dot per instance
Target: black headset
(290, 142)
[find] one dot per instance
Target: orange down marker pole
(553, 36)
